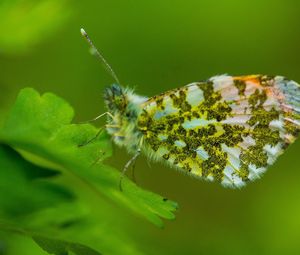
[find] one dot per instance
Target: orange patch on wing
(255, 80)
(251, 78)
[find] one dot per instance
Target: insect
(228, 129)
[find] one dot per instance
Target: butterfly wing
(228, 129)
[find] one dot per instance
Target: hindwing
(228, 129)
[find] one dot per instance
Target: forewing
(228, 129)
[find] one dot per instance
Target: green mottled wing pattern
(228, 129)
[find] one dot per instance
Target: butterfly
(228, 129)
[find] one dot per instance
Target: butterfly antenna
(96, 52)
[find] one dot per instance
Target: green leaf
(42, 204)
(57, 247)
(24, 182)
(40, 125)
(39, 129)
(25, 190)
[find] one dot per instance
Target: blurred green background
(155, 46)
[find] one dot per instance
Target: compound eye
(128, 114)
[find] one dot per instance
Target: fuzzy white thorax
(125, 106)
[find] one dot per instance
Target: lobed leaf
(39, 128)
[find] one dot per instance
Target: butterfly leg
(133, 172)
(98, 117)
(130, 162)
(92, 139)
(100, 130)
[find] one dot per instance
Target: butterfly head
(115, 98)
